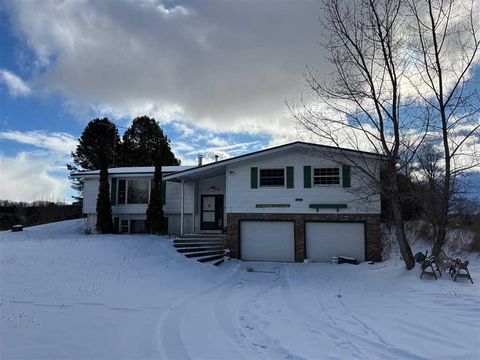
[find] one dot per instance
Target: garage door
(324, 240)
(267, 240)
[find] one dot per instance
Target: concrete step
(202, 244)
(210, 258)
(204, 253)
(199, 248)
(218, 262)
(204, 235)
(197, 240)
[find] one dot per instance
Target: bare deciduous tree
(361, 105)
(445, 44)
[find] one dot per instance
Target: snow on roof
(135, 170)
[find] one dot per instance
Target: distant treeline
(36, 213)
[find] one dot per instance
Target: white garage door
(324, 240)
(267, 240)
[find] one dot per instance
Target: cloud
(60, 143)
(223, 66)
(30, 176)
(39, 174)
(15, 85)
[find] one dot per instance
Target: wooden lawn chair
(443, 262)
(461, 270)
(428, 264)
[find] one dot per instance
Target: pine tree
(99, 142)
(142, 141)
(104, 208)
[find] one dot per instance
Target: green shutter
(164, 192)
(307, 176)
(290, 177)
(113, 192)
(254, 177)
(346, 176)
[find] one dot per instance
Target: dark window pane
(272, 177)
(121, 191)
(138, 191)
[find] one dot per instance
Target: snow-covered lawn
(68, 295)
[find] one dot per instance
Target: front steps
(206, 248)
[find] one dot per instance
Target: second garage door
(324, 240)
(267, 240)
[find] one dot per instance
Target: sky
(216, 75)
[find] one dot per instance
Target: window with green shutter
(307, 176)
(290, 184)
(346, 177)
(254, 177)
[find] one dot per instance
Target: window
(122, 189)
(133, 191)
(124, 226)
(326, 176)
(272, 177)
(137, 191)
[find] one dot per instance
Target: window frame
(340, 179)
(272, 168)
(126, 190)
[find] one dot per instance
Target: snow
(64, 294)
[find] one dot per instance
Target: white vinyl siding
(241, 198)
(90, 194)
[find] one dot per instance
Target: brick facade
(372, 230)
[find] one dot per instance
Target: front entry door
(212, 212)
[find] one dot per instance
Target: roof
(297, 144)
(133, 170)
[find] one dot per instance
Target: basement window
(326, 176)
(272, 177)
(124, 226)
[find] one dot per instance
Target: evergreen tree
(104, 208)
(99, 142)
(155, 222)
(142, 141)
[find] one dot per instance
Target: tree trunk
(405, 249)
(441, 233)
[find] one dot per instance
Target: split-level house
(287, 203)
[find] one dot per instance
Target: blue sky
(216, 78)
(215, 74)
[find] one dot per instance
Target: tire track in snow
(171, 344)
(338, 333)
(273, 349)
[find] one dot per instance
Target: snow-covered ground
(68, 295)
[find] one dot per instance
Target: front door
(212, 212)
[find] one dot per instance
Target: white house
(286, 203)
